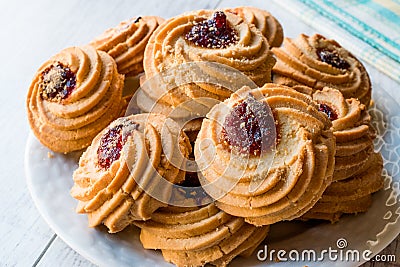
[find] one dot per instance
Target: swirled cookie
(253, 173)
(72, 97)
(263, 20)
(205, 36)
(349, 196)
(127, 41)
(318, 62)
(184, 117)
(352, 130)
(358, 169)
(199, 235)
(117, 178)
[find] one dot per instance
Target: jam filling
(213, 33)
(328, 111)
(333, 59)
(111, 144)
(248, 128)
(57, 82)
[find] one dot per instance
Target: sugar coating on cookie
(215, 32)
(117, 173)
(248, 49)
(205, 36)
(73, 96)
(317, 62)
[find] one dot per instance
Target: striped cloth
(370, 29)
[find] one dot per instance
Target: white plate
(50, 179)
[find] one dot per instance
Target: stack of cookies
(199, 235)
(317, 62)
(323, 64)
(357, 167)
(268, 134)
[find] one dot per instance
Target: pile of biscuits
(294, 143)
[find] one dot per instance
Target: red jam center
(111, 144)
(333, 59)
(328, 111)
(248, 128)
(213, 33)
(57, 82)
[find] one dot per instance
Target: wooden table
(31, 32)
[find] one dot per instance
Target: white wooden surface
(31, 32)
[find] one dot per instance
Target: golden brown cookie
(199, 235)
(352, 130)
(127, 41)
(205, 36)
(236, 146)
(333, 211)
(318, 62)
(350, 196)
(119, 172)
(72, 97)
(268, 25)
(358, 169)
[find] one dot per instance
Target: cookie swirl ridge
(316, 61)
(352, 130)
(358, 169)
(117, 173)
(199, 235)
(301, 164)
(127, 41)
(72, 97)
(207, 36)
(349, 196)
(268, 25)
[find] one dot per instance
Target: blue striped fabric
(370, 29)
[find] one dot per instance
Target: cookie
(349, 196)
(333, 211)
(352, 130)
(127, 41)
(120, 171)
(317, 62)
(236, 146)
(73, 96)
(358, 169)
(204, 36)
(199, 235)
(268, 25)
